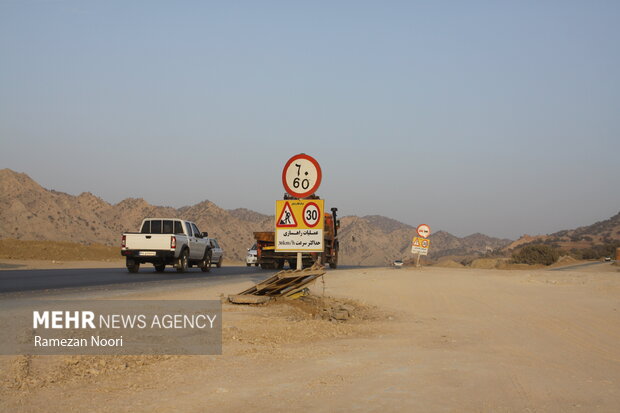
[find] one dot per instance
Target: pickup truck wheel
(182, 262)
(132, 266)
(205, 264)
(219, 263)
(160, 267)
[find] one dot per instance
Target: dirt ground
(13, 249)
(435, 339)
(58, 264)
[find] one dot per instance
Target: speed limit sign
(301, 176)
(423, 230)
(311, 214)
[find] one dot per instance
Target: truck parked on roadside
(268, 258)
(166, 241)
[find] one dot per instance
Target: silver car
(252, 257)
(217, 254)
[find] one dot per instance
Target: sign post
(420, 244)
(299, 222)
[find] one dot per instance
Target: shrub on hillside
(596, 251)
(536, 254)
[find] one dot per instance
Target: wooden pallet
(282, 284)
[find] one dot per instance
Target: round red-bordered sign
(423, 230)
(311, 214)
(301, 176)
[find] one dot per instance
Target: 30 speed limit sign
(311, 214)
(301, 176)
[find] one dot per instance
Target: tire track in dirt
(578, 327)
(512, 330)
(579, 336)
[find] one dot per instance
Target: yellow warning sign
(286, 218)
(299, 225)
(420, 245)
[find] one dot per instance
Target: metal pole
(299, 263)
(417, 264)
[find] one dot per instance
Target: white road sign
(423, 230)
(301, 176)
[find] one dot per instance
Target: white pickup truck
(166, 241)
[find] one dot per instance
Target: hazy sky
(471, 116)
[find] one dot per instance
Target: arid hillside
(30, 212)
(375, 239)
(595, 236)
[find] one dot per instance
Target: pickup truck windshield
(159, 226)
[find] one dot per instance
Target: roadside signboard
(299, 225)
(301, 176)
(423, 230)
(420, 245)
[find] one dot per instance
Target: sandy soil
(435, 339)
(56, 264)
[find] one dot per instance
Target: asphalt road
(577, 266)
(14, 281)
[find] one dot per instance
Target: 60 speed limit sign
(301, 176)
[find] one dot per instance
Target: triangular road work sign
(286, 219)
(416, 242)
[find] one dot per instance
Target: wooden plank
(301, 275)
(299, 287)
(255, 288)
(265, 284)
(284, 283)
(248, 299)
(277, 287)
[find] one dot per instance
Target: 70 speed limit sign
(301, 176)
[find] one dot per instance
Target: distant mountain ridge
(29, 211)
(599, 233)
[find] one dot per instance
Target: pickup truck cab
(166, 241)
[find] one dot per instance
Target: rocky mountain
(471, 245)
(600, 233)
(385, 240)
(373, 240)
(30, 212)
